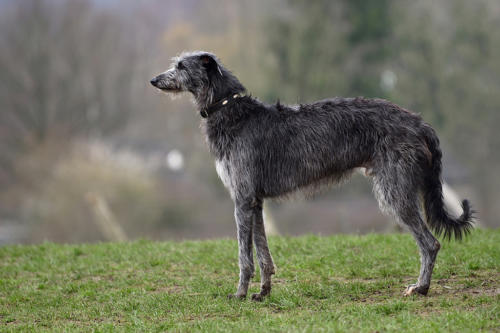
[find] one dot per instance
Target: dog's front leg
(244, 222)
(265, 260)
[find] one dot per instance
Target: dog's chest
(224, 173)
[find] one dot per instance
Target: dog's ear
(210, 64)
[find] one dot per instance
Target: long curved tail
(438, 218)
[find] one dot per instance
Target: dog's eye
(180, 65)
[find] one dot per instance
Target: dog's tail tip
(460, 227)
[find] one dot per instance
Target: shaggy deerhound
(267, 151)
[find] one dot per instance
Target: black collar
(228, 101)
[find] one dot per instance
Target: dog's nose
(154, 81)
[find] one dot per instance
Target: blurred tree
(327, 48)
(59, 74)
(369, 40)
(308, 47)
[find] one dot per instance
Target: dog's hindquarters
(398, 175)
(407, 173)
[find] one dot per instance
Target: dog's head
(201, 74)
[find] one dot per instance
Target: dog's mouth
(169, 89)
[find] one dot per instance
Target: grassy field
(337, 283)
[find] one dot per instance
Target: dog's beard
(175, 94)
(172, 94)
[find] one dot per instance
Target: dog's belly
(281, 179)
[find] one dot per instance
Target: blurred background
(89, 151)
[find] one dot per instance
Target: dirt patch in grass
(351, 280)
(173, 289)
(488, 285)
(450, 287)
(486, 292)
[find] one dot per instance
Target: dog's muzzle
(161, 82)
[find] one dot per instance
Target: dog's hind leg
(264, 256)
(244, 214)
(397, 194)
(429, 248)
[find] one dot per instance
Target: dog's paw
(257, 297)
(410, 290)
(414, 289)
(236, 296)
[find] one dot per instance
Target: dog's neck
(223, 84)
(223, 126)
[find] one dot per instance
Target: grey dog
(267, 151)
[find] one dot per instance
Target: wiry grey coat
(266, 151)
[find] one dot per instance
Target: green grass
(336, 283)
